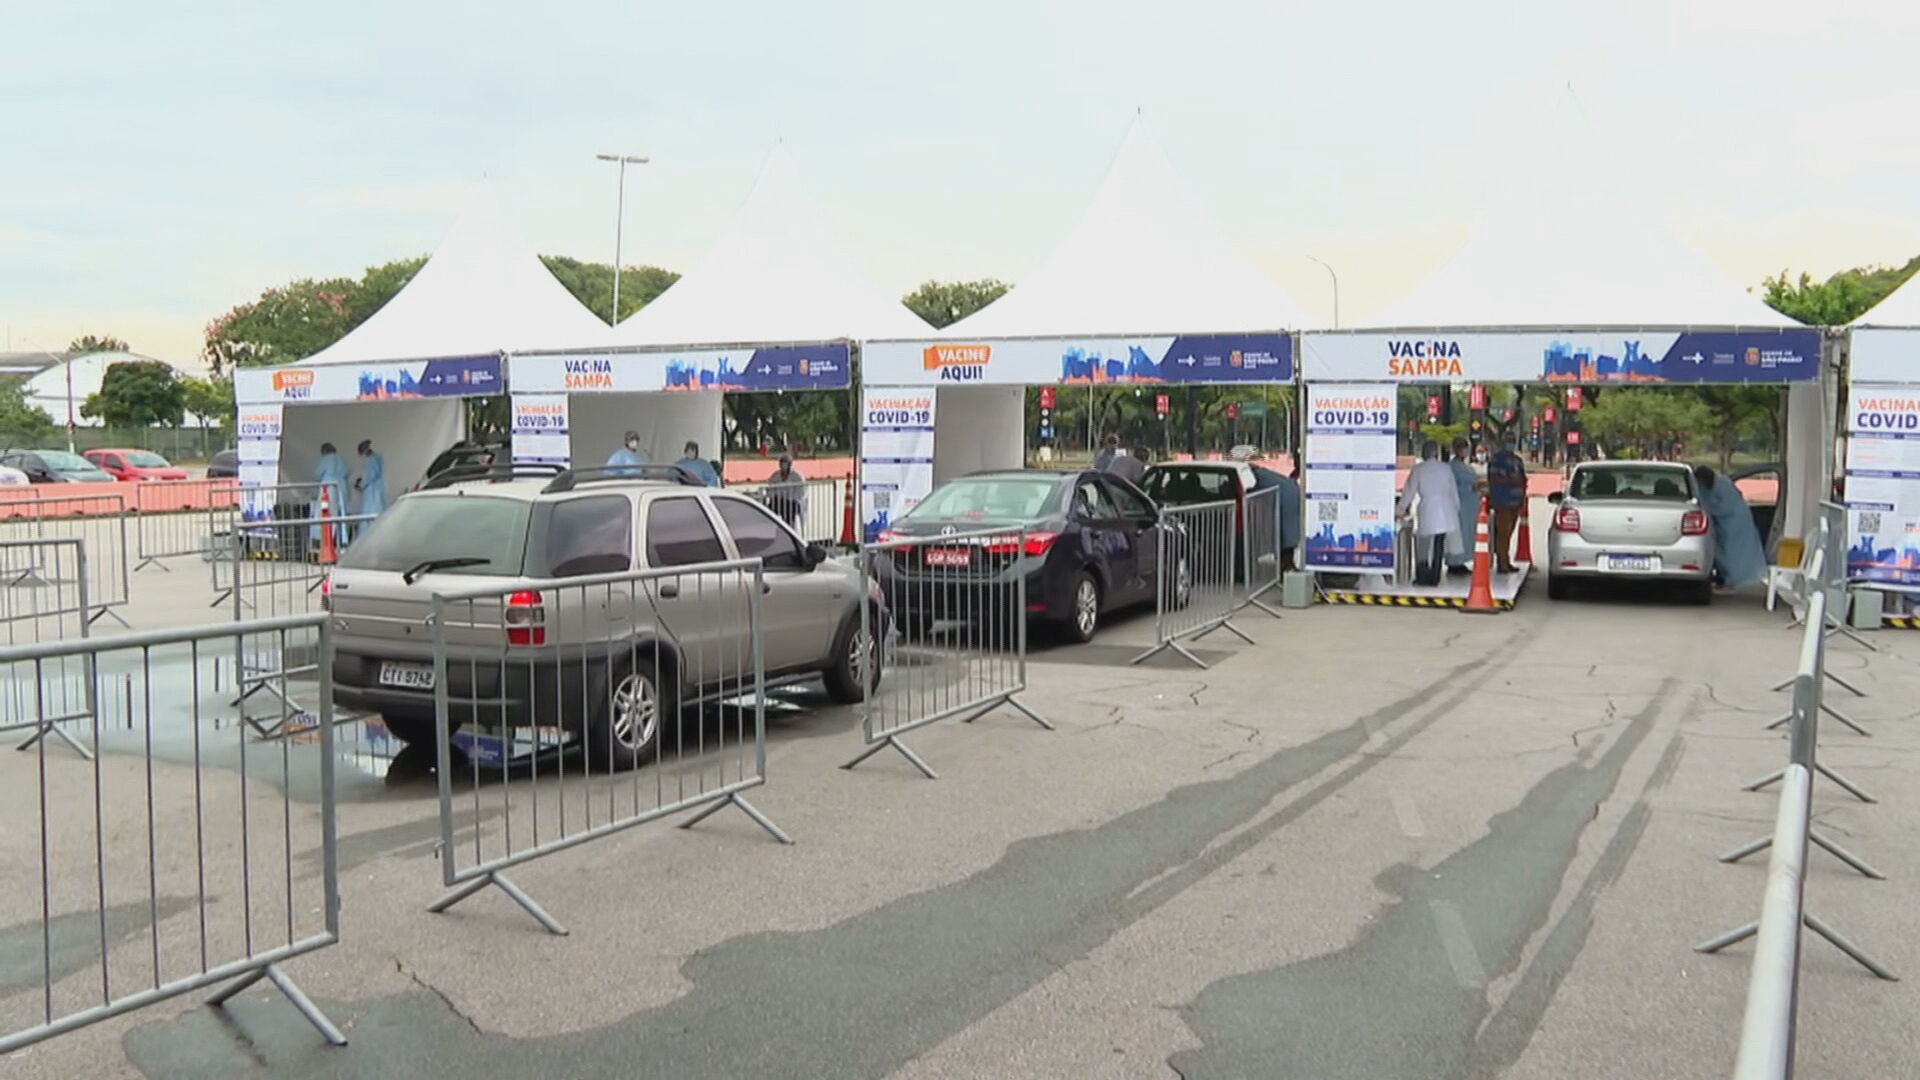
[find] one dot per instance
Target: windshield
(146, 459)
(1002, 498)
(61, 461)
(1632, 482)
(419, 528)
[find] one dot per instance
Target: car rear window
(1009, 498)
(1632, 482)
(1180, 487)
(417, 528)
(590, 536)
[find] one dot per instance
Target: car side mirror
(1557, 498)
(815, 555)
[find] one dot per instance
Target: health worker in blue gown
(373, 480)
(1739, 558)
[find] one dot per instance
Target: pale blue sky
(165, 161)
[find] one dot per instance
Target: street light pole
(619, 221)
(1336, 290)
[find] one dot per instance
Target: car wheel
(855, 657)
(1558, 588)
(626, 720)
(415, 729)
(1700, 592)
(1083, 618)
(1178, 592)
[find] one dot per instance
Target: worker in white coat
(1433, 497)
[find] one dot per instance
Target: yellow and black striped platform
(1392, 600)
(1900, 622)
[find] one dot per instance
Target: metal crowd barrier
(278, 570)
(579, 707)
(99, 521)
(176, 518)
(176, 858)
(1262, 560)
(814, 508)
(1195, 569)
(242, 530)
(954, 642)
(46, 601)
(1768, 1030)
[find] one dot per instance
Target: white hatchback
(1630, 520)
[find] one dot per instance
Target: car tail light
(526, 618)
(326, 593)
(1566, 520)
(1693, 523)
(1037, 543)
(887, 536)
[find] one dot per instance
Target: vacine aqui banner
(786, 367)
(1575, 357)
(1197, 358)
(541, 435)
(1883, 484)
(463, 376)
(896, 454)
(1349, 477)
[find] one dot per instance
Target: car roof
(113, 450)
(532, 489)
(1681, 465)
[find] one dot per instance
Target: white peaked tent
(776, 292)
(398, 378)
(1143, 276)
(778, 275)
(1143, 260)
(1577, 259)
(1901, 307)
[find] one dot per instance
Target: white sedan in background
(1630, 521)
(9, 476)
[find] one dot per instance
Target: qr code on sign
(883, 500)
(1329, 511)
(1868, 521)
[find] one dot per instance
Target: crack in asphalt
(863, 996)
(401, 967)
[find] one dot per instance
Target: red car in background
(135, 465)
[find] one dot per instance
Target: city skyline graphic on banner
(1562, 362)
(1367, 548)
(1079, 366)
(1892, 564)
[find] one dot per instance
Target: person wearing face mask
(698, 467)
(627, 458)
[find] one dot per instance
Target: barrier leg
(49, 727)
(1731, 937)
(746, 808)
(1753, 847)
(1835, 626)
(912, 758)
(1174, 646)
(513, 892)
(1227, 625)
(293, 994)
(1853, 952)
(1844, 684)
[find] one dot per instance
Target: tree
(20, 421)
(138, 393)
(1841, 298)
(592, 283)
(1644, 422)
(209, 401)
(1736, 414)
(943, 303)
(283, 326)
(91, 343)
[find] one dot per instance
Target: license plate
(1633, 563)
(949, 556)
(406, 676)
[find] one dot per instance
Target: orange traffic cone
(327, 553)
(1480, 595)
(1525, 541)
(849, 529)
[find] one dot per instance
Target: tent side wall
(978, 427)
(665, 421)
(408, 434)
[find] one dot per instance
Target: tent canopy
(1576, 259)
(777, 275)
(483, 291)
(1144, 260)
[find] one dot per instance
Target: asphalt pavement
(1378, 843)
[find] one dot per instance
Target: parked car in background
(1630, 521)
(224, 466)
(1190, 483)
(1092, 546)
(55, 467)
(135, 465)
(515, 533)
(465, 455)
(12, 477)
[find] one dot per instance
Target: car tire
(415, 730)
(1558, 588)
(1083, 609)
(842, 674)
(627, 716)
(1177, 593)
(1700, 593)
